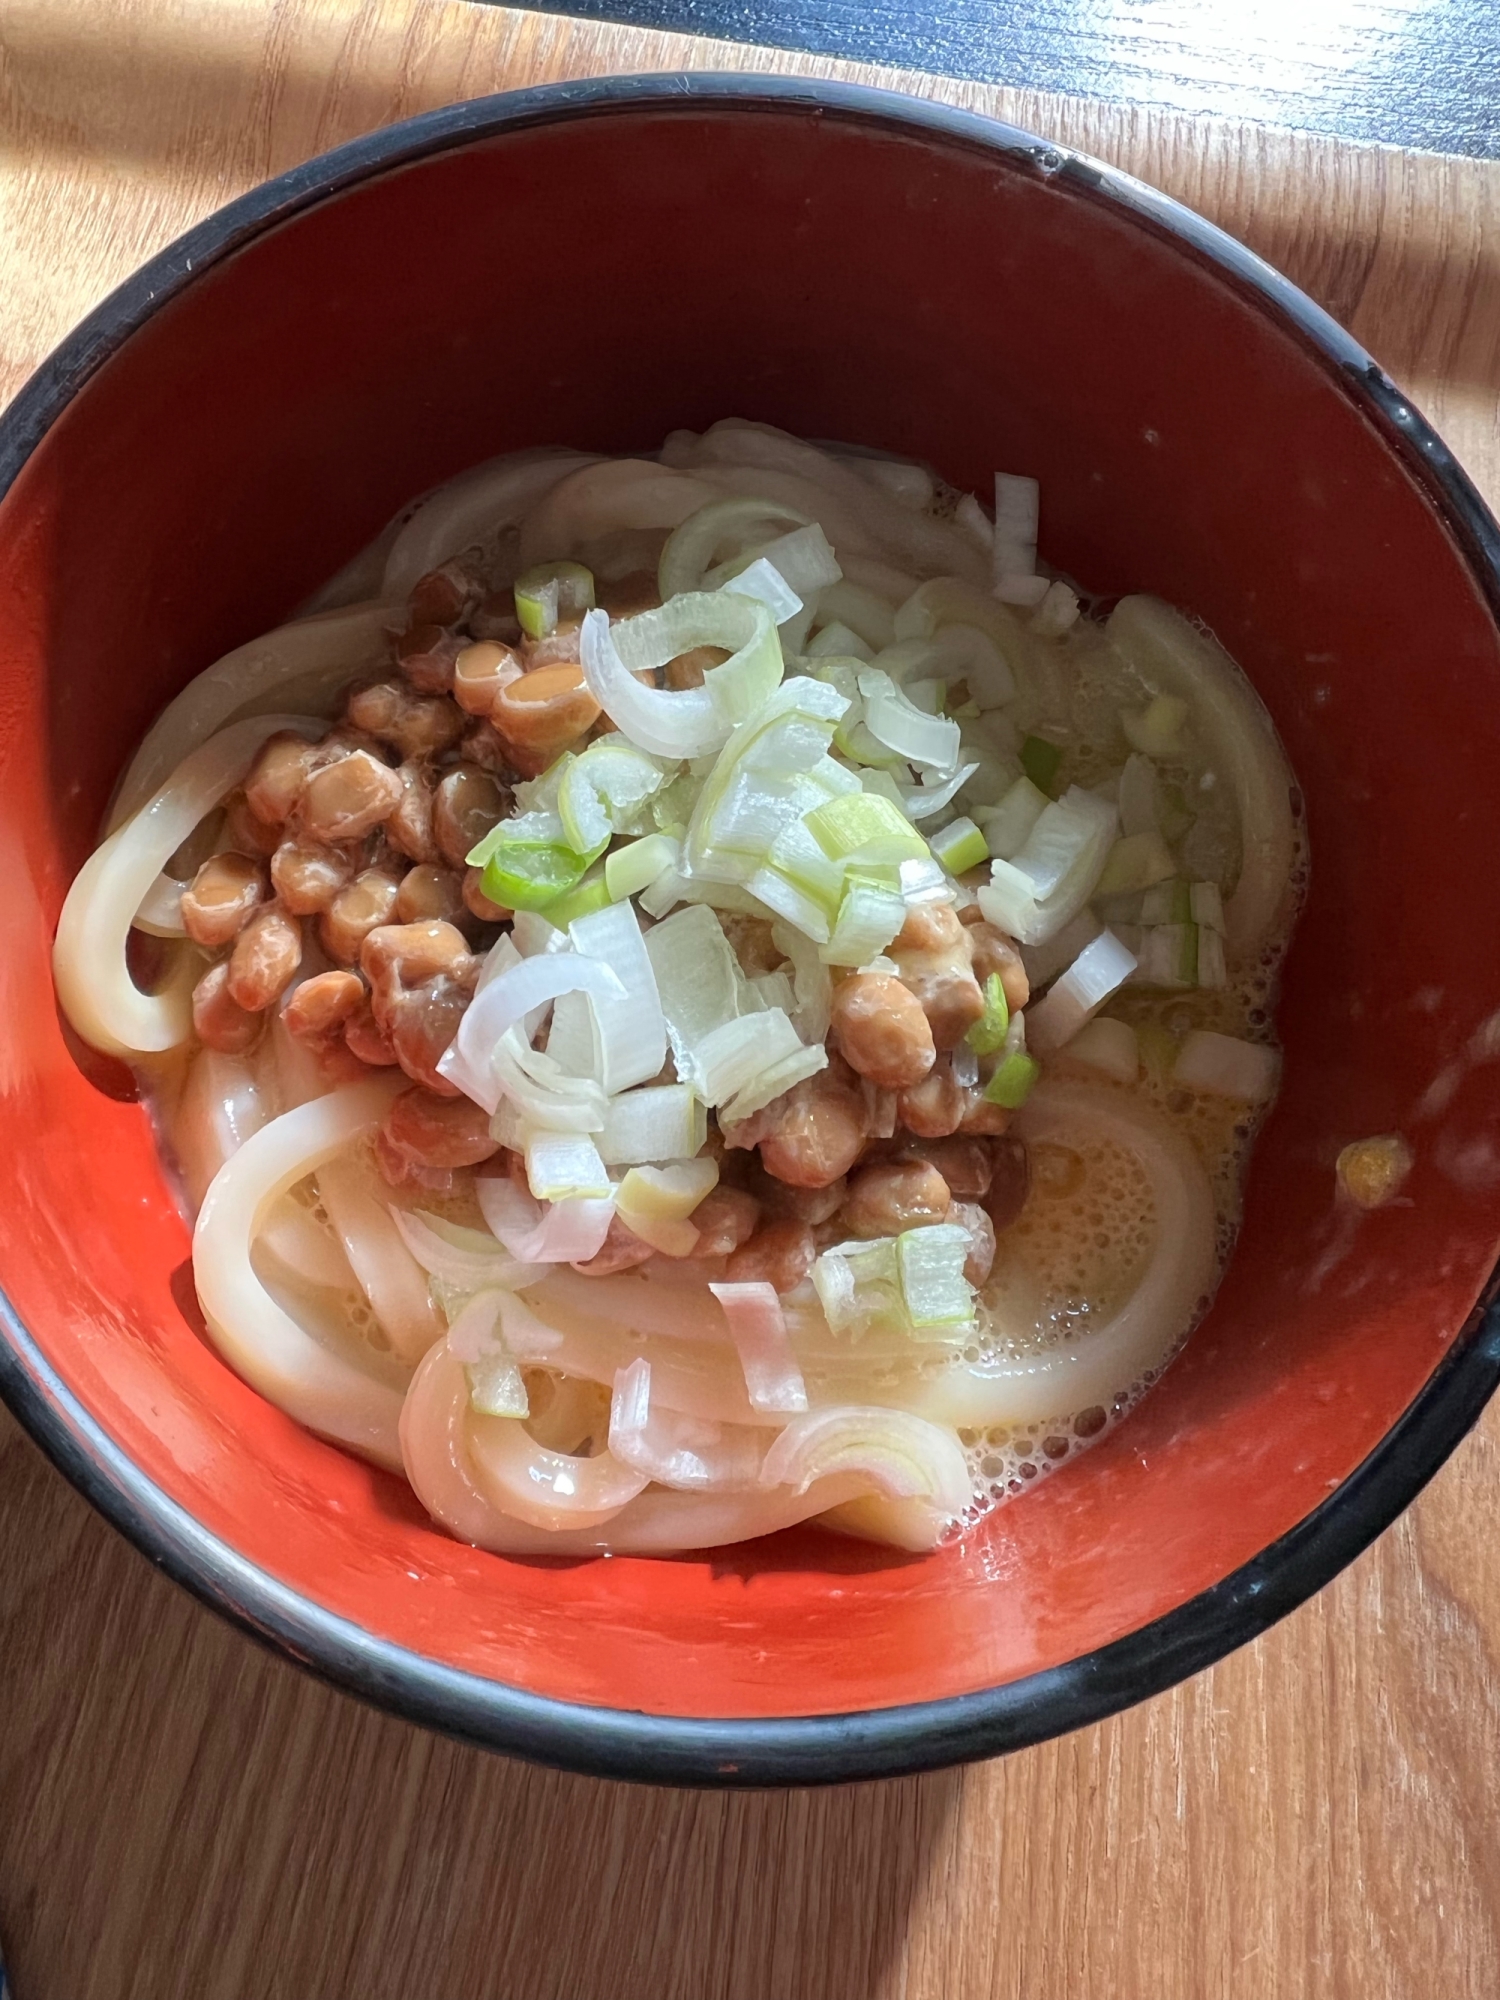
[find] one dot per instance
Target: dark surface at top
(1420, 73)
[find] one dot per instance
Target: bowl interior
(598, 281)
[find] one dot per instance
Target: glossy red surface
(845, 281)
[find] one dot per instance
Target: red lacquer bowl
(595, 264)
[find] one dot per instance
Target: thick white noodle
(94, 984)
(473, 510)
(389, 1276)
(351, 1397)
(222, 1104)
(901, 534)
(1092, 1369)
(604, 497)
(297, 667)
(1227, 716)
(437, 1448)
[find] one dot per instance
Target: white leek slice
(469, 1061)
(812, 983)
(630, 869)
(564, 1166)
(602, 788)
(757, 1326)
(763, 582)
(753, 789)
(803, 559)
(1099, 970)
(930, 1268)
(773, 1082)
(773, 989)
(566, 1232)
(1017, 510)
(780, 895)
(1136, 861)
(689, 550)
(869, 917)
(903, 1457)
(797, 855)
(631, 1036)
(667, 1121)
(697, 978)
(1054, 873)
(542, 1091)
(530, 932)
(741, 625)
(1066, 833)
(922, 801)
(655, 1203)
(734, 1054)
(1109, 1046)
(1009, 826)
(680, 1452)
(467, 1259)
(1225, 1066)
(898, 723)
(1043, 962)
(953, 652)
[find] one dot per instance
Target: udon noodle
(696, 993)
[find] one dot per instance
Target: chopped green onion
(1174, 813)
(1136, 861)
(528, 863)
(1157, 730)
(930, 1262)
(1168, 956)
(838, 642)
(803, 559)
(893, 719)
(635, 867)
(856, 741)
(662, 1121)
(495, 1386)
(960, 846)
(1207, 906)
(689, 550)
(865, 826)
(1168, 903)
(1012, 1082)
(591, 894)
(564, 1166)
(602, 788)
(1008, 827)
(551, 592)
(988, 1032)
(869, 917)
(1041, 760)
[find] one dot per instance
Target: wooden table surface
(181, 1815)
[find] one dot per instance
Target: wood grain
(181, 1815)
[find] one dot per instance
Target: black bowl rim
(794, 1750)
